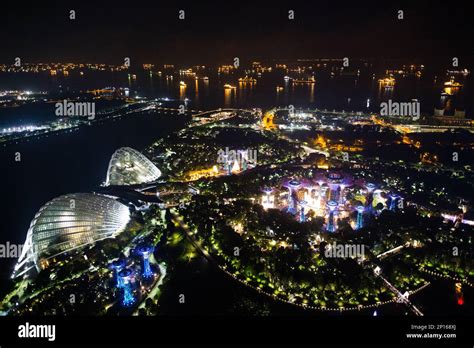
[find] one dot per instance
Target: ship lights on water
(20, 129)
(388, 82)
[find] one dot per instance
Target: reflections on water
(227, 97)
(321, 89)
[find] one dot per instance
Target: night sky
(217, 31)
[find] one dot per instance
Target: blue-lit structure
(118, 265)
(291, 204)
(333, 192)
(145, 251)
(370, 187)
(331, 196)
(331, 225)
(302, 214)
(341, 197)
(360, 217)
(293, 185)
(393, 201)
(126, 276)
(324, 191)
(370, 195)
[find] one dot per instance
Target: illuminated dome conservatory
(129, 167)
(69, 222)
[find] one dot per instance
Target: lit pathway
(156, 288)
(392, 251)
(400, 296)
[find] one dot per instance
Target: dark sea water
(350, 92)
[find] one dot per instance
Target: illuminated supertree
(145, 251)
(393, 201)
(341, 193)
(118, 265)
(302, 214)
(324, 192)
(370, 195)
(126, 276)
(337, 182)
(360, 219)
(292, 187)
(228, 166)
(331, 225)
(268, 199)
